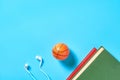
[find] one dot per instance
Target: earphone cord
(44, 72)
(31, 75)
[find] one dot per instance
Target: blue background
(32, 27)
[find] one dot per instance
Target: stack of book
(97, 65)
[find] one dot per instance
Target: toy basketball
(60, 51)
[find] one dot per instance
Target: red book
(85, 60)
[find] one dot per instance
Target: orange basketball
(60, 51)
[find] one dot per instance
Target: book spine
(85, 60)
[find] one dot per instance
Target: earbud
(27, 67)
(39, 58)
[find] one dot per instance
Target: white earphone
(27, 68)
(39, 58)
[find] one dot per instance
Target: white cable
(44, 72)
(32, 76)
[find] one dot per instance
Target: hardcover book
(101, 66)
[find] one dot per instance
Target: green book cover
(102, 66)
